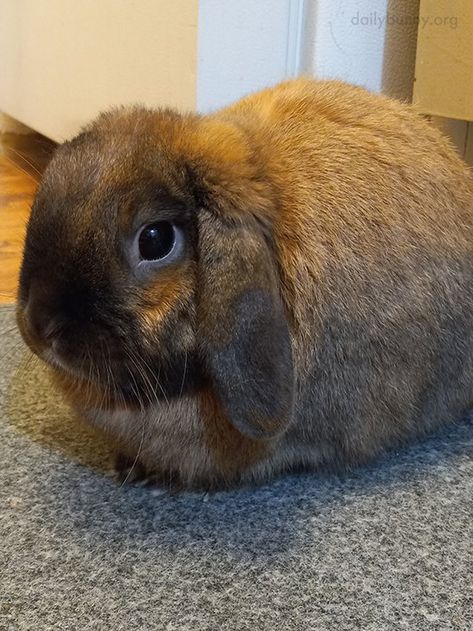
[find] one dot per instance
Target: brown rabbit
(284, 284)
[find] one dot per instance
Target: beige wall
(78, 57)
(444, 69)
(444, 65)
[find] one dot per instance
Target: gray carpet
(387, 547)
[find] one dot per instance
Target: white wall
(245, 45)
(366, 42)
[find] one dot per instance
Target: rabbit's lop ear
(244, 333)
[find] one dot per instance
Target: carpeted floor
(386, 547)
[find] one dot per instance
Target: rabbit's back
(375, 244)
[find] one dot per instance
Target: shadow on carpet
(385, 547)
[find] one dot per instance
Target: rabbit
(282, 285)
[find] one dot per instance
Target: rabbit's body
(352, 280)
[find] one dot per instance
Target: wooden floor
(22, 160)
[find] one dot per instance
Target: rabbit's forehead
(108, 184)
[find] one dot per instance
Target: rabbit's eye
(156, 241)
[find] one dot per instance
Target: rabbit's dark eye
(156, 241)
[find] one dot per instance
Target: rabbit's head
(150, 271)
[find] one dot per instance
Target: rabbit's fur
(319, 314)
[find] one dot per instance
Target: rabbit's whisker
(140, 446)
(28, 162)
(183, 375)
